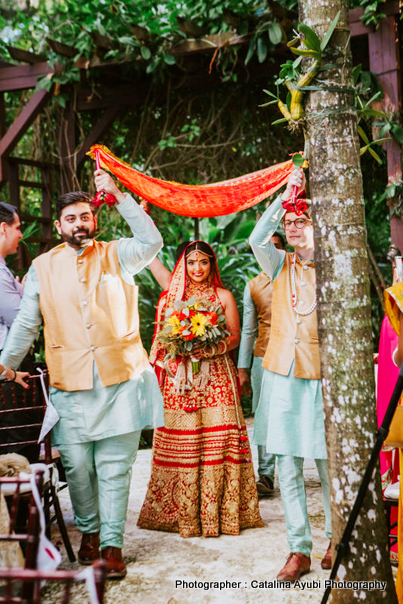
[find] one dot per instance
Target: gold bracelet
(225, 347)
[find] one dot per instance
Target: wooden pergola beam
(21, 77)
(21, 124)
(99, 130)
(18, 54)
(62, 49)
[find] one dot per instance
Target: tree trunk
(344, 307)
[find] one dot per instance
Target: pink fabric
(387, 376)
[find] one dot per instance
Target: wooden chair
(29, 538)
(21, 416)
(16, 579)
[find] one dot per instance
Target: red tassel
(104, 197)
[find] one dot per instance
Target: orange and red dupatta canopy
(199, 201)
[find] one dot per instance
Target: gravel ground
(160, 563)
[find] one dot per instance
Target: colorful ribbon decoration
(296, 204)
(201, 201)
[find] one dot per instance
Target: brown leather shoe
(89, 549)
(297, 565)
(326, 563)
(264, 486)
(115, 567)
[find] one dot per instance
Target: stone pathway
(163, 568)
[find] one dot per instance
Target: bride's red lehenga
(202, 480)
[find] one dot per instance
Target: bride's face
(198, 267)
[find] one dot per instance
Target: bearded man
(102, 385)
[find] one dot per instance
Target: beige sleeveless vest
(293, 336)
(90, 314)
(261, 291)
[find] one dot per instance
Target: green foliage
(143, 31)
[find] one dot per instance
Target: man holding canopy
(289, 419)
(102, 385)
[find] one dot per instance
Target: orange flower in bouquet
(190, 323)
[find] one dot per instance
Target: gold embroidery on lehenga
(201, 483)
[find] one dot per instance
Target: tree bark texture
(344, 306)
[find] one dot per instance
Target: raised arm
(136, 252)
(268, 256)
(160, 273)
(270, 259)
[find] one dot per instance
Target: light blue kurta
(250, 327)
(88, 415)
(289, 419)
(249, 333)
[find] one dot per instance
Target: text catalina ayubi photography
(302, 585)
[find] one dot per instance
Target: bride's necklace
(294, 293)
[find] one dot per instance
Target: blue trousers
(98, 474)
(292, 487)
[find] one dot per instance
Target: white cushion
(9, 489)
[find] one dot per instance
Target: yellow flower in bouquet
(198, 324)
(174, 321)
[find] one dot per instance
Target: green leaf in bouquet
(188, 346)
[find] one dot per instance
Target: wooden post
(384, 61)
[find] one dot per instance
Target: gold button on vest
(261, 291)
(289, 338)
(90, 314)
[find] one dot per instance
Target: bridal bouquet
(190, 323)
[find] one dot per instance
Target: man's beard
(80, 237)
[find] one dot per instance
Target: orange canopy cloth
(198, 201)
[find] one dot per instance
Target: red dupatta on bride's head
(177, 286)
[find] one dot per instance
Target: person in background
(394, 310)
(11, 289)
(254, 339)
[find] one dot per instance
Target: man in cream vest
(289, 419)
(256, 326)
(102, 385)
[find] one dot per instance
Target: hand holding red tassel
(108, 192)
(294, 195)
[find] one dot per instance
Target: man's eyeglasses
(299, 223)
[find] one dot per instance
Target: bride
(202, 480)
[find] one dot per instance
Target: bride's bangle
(222, 347)
(212, 352)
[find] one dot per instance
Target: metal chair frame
(29, 399)
(34, 578)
